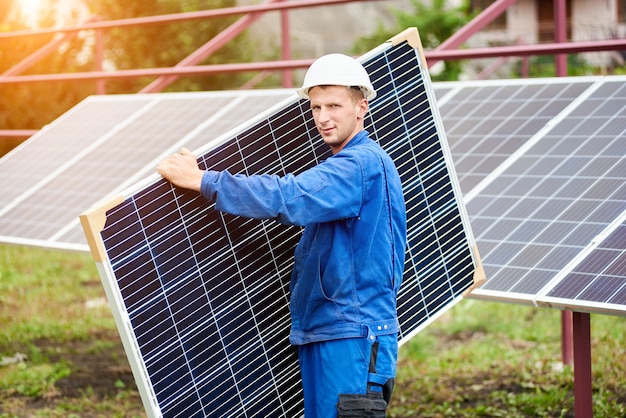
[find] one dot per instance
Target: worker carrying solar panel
(349, 262)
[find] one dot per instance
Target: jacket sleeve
(330, 191)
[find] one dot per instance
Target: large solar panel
(201, 297)
(102, 146)
(545, 205)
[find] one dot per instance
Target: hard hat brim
(368, 92)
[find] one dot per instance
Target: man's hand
(182, 170)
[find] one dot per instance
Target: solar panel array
(487, 122)
(201, 297)
(598, 281)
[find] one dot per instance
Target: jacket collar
(357, 139)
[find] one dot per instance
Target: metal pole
(567, 351)
(560, 35)
(583, 402)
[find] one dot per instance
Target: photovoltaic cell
(201, 297)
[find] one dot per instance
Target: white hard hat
(337, 70)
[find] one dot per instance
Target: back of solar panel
(200, 297)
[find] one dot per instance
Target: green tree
(164, 45)
(435, 22)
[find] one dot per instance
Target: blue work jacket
(349, 262)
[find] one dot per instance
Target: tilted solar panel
(487, 122)
(549, 201)
(201, 298)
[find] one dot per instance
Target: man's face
(338, 116)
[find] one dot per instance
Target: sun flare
(61, 12)
(31, 11)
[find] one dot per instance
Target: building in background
(532, 21)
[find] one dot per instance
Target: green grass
(499, 360)
(480, 359)
(43, 295)
(51, 311)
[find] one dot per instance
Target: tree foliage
(435, 21)
(164, 45)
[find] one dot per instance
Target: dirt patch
(99, 372)
(101, 368)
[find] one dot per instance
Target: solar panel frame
(594, 281)
(238, 240)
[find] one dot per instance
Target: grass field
(61, 355)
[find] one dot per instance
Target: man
(350, 259)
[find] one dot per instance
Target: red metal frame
(179, 17)
(251, 14)
(583, 402)
(207, 49)
(492, 52)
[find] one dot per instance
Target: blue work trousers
(349, 375)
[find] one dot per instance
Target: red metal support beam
(156, 72)
(483, 19)
(560, 35)
(526, 50)
(37, 56)
(40, 54)
(207, 49)
(99, 59)
(285, 46)
(179, 17)
(567, 349)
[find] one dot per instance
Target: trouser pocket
(371, 405)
